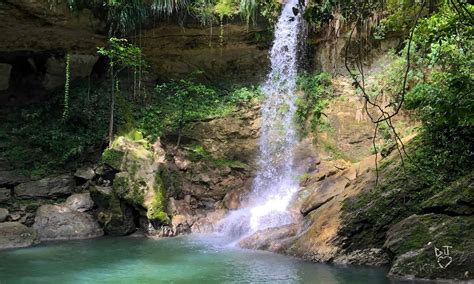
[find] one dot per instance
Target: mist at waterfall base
(275, 182)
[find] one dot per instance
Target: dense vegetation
(437, 89)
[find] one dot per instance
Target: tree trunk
(112, 105)
(181, 124)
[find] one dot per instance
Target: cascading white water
(275, 182)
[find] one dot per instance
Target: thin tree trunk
(112, 105)
(180, 127)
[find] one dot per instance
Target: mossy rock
(113, 158)
(116, 217)
(413, 241)
(456, 199)
(132, 191)
(157, 207)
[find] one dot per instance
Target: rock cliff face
(347, 219)
(167, 191)
(34, 39)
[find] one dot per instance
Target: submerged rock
(16, 235)
(56, 222)
(57, 186)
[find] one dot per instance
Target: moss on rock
(157, 206)
(457, 198)
(413, 242)
(112, 158)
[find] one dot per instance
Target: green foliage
(39, 141)
(122, 54)
(402, 15)
(444, 100)
(270, 10)
(112, 158)
(163, 114)
(226, 8)
(316, 89)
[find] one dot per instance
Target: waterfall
(276, 180)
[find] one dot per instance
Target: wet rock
(180, 225)
(84, 173)
(80, 202)
(57, 186)
(16, 235)
(5, 195)
(272, 239)
(208, 223)
(232, 199)
(56, 222)
(371, 257)
(3, 214)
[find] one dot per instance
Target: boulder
(80, 202)
(179, 224)
(275, 239)
(139, 180)
(5, 195)
(232, 199)
(3, 214)
(11, 178)
(432, 246)
(208, 223)
(116, 216)
(16, 235)
(5, 70)
(49, 187)
(84, 173)
(57, 222)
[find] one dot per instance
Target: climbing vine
(66, 87)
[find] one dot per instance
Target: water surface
(174, 260)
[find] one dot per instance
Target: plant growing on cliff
(186, 93)
(315, 90)
(121, 55)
